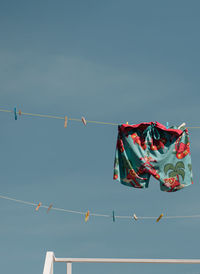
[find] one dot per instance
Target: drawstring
(152, 132)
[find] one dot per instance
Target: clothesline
(88, 213)
(95, 214)
(64, 117)
(57, 117)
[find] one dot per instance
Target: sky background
(111, 61)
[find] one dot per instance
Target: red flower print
(182, 149)
(139, 141)
(158, 144)
(115, 176)
(172, 182)
(120, 145)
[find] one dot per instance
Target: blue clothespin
(15, 113)
(167, 125)
(113, 216)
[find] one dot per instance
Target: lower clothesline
(40, 205)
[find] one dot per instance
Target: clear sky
(112, 61)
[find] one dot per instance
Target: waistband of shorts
(142, 126)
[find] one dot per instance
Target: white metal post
(69, 268)
(48, 266)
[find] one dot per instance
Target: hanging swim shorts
(151, 149)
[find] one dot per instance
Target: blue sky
(112, 61)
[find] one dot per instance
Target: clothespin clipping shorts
(151, 149)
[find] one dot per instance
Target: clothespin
(167, 125)
(38, 206)
(49, 208)
(84, 121)
(161, 215)
(65, 124)
(126, 123)
(87, 216)
(135, 217)
(182, 125)
(20, 112)
(113, 216)
(15, 113)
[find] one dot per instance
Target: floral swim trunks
(151, 149)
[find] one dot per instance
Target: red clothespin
(161, 215)
(84, 121)
(38, 206)
(87, 216)
(20, 112)
(49, 208)
(65, 124)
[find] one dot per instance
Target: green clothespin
(113, 216)
(15, 113)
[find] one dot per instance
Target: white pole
(69, 268)
(48, 265)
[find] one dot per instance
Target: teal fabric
(152, 149)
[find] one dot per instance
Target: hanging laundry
(151, 149)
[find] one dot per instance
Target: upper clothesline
(64, 117)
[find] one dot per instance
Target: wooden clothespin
(84, 121)
(87, 216)
(158, 219)
(15, 113)
(20, 112)
(49, 208)
(182, 125)
(135, 217)
(113, 216)
(65, 124)
(38, 206)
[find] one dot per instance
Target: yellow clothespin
(127, 123)
(38, 206)
(49, 208)
(83, 120)
(20, 112)
(135, 217)
(65, 124)
(161, 215)
(87, 216)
